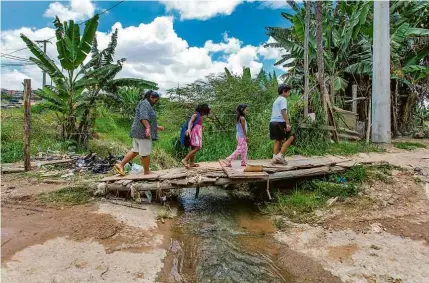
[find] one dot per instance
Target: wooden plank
(305, 173)
(239, 173)
(140, 176)
(299, 163)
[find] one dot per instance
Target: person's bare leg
(190, 155)
(192, 158)
(145, 163)
(276, 148)
(286, 144)
(127, 158)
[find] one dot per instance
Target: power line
(11, 57)
(103, 12)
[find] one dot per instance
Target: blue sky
(169, 42)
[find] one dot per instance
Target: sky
(169, 42)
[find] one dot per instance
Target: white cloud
(12, 77)
(270, 52)
(230, 45)
(153, 51)
(201, 10)
(77, 10)
(277, 4)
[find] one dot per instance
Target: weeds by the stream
(300, 204)
(408, 145)
(68, 195)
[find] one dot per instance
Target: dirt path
(381, 236)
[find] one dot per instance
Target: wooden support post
(197, 192)
(368, 127)
(27, 123)
(354, 98)
(268, 189)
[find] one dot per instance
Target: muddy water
(220, 238)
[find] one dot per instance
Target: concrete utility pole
(380, 106)
(44, 51)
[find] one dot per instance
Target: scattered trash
(92, 162)
(341, 180)
(135, 169)
(331, 201)
(418, 171)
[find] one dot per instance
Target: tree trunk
(306, 78)
(332, 88)
(320, 63)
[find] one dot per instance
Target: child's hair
(283, 87)
(240, 111)
(203, 109)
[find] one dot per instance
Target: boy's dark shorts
(278, 131)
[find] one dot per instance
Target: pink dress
(197, 134)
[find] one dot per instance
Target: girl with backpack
(241, 127)
(195, 134)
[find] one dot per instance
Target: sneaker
(279, 159)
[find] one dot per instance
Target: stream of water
(221, 238)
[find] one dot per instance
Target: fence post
(27, 123)
(354, 96)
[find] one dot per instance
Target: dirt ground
(380, 236)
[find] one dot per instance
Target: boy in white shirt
(280, 129)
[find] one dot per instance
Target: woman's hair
(150, 93)
(240, 111)
(203, 109)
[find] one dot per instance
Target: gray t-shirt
(144, 111)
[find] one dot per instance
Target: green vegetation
(408, 145)
(43, 134)
(346, 41)
(70, 195)
(300, 204)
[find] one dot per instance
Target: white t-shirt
(278, 106)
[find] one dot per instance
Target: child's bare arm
(286, 118)
(191, 122)
(243, 126)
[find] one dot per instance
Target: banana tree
(66, 96)
(98, 76)
(77, 88)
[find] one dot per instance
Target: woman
(143, 131)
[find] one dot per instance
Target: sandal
(119, 170)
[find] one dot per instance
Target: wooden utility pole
(27, 123)
(44, 51)
(380, 107)
(306, 35)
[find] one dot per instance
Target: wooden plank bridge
(215, 174)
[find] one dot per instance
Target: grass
(300, 204)
(68, 195)
(408, 145)
(112, 135)
(43, 134)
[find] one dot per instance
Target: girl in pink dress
(195, 132)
